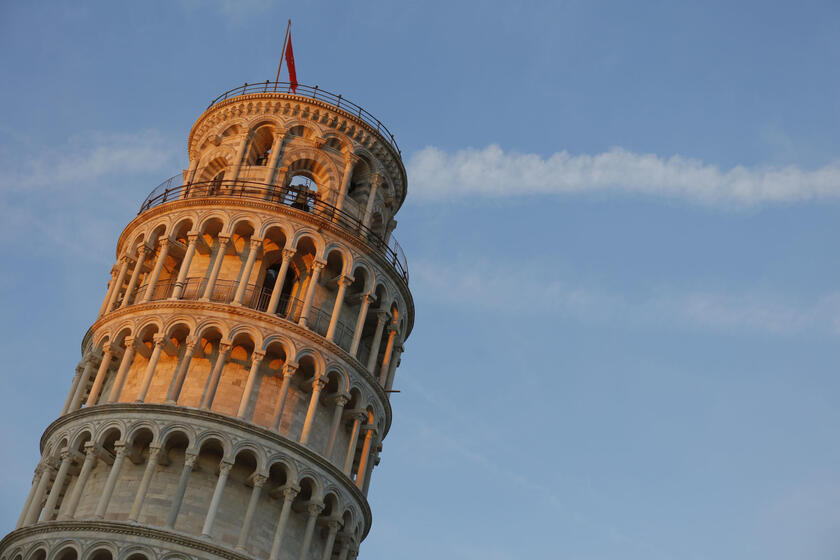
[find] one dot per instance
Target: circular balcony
(311, 92)
(297, 197)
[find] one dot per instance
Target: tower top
(331, 115)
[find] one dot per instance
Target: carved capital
(189, 460)
(289, 253)
(257, 356)
(255, 243)
(341, 401)
(159, 339)
(163, 242)
(318, 265)
(345, 280)
(225, 347)
(290, 491)
(259, 480)
(289, 369)
(224, 467)
(192, 237)
(314, 508)
(224, 240)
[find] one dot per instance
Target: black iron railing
(298, 197)
(312, 92)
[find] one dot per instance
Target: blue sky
(620, 227)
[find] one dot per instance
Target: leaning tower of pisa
(233, 392)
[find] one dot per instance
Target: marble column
(58, 485)
(371, 199)
(178, 498)
(363, 462)
(281, 278)
(357, 417)
(381, 317)
(245, 273)
(185, 266)
(81, 481)
(312, 510)
(113, 474)
(87, 373)
(343, 282)
(250, 384)
(216, 267)
(317, 386)
(224, 472)
(36, 479)
(317, 267)
(333, 525)
(215, 376)
(288, 372)
(386, 359)
(289, 493)
(360, 323)
(117, 285)
(259, 481)
(140, 497)
(40, 494)
(149, 374)
(138, 267)
(101, 374)
(340, 402)
(181, 373)
(161, 260)
(122, 372)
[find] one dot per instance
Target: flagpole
(282, 54)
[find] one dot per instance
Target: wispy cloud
(472, 283)
(492, 172)
(78, 193)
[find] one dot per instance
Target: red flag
(290, 64)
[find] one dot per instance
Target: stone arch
(81, 437)
(210, 436)
(237, 220)
(110, 432)
(101, 550)
(313, 356)
(136, 430)
(282, 462)
(346, 256)
(178, 431)
(313, 164)
(38, 551)
(311, 481)
(316, 238)
(336, 374)
(66, 550)
(137, 552)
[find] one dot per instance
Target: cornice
(117, 528)
(270, 321)
(182, 413)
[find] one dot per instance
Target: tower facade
(233, 392)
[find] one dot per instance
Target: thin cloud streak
(493, 173)
(476, 285)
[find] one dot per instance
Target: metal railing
(224, 291)
(298, 197)
(312, 92)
